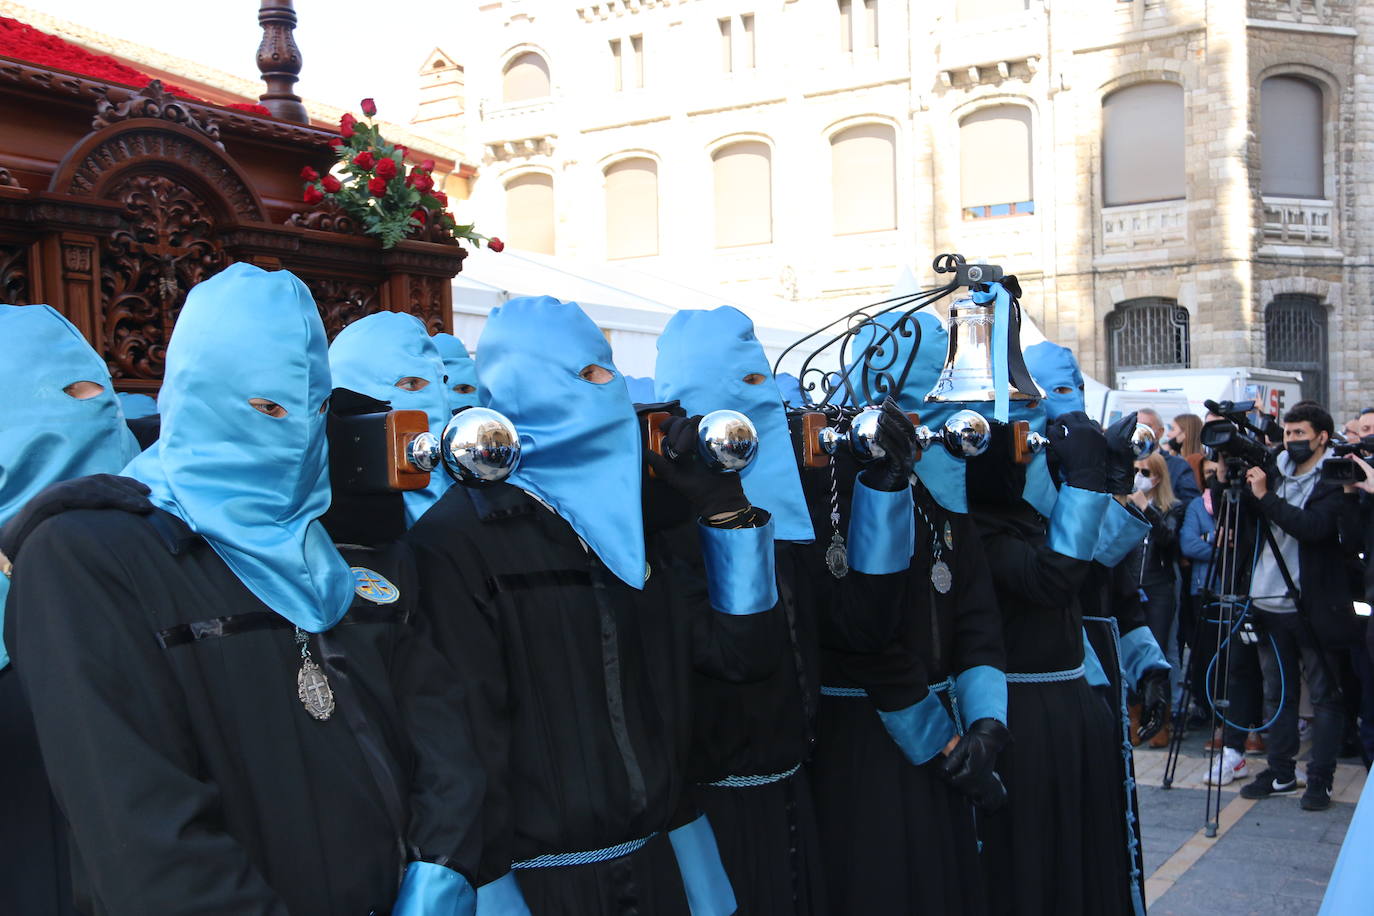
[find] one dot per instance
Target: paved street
(1270, 857)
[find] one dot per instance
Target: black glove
(99, 491)
(709, 493)
(969, 766)
(1154, 701)
(897, 436)
(1081, 448)
(1120, 457)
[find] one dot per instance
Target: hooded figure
(578, 631)
(210, 753)
(712, 361)
(460, 371)
(1057, 372)
(391, 357)
(137, 406)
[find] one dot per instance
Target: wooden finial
(279, 61)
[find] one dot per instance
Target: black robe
(165, 699)
(1059, 847)
(580, 690)
(898, 838)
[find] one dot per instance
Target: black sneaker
(1266, 784)
(1318, 795)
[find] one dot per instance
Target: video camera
(1342, 468)
(1234, 439)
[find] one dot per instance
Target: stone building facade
(1112, 153)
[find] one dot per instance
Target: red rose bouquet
(371, 184)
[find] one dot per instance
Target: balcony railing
(1136, 226)
(1297, 221)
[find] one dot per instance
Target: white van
(1272, 390)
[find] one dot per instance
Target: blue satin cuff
(703, 876)
(1140, 653)
(1075, 522)
(920, 730)
(982, 694)
(502, 897)
(433, 890)
(4, 592)
(739, 568)
(1093, 671)
(1121, 531)
(882, 530)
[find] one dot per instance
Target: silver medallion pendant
(313, 688)
(940, 577)
(836, 557)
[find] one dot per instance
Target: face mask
(1299, 451)
(1174, 444)
(1144, 484)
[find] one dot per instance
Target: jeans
(1161, 614)
(1286, 653)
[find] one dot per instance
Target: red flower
(365, 160)
(441, 197)
(496, 245)
(309, 174)
(376, 187)
(346, 125)
(427, 165)
(331, 184)
(401, 149)
(419, 214)
(336, 142)
(368, 106)
(386, 168)
(421, 181)
(312, 195)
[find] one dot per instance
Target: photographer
(1302, 604)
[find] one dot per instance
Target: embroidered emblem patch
(373, 586)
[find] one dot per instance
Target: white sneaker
(1227, 768)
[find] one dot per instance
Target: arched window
(863, 178)
(632, 208)
(995, 162)
(1142, 144)
(529, 213)
(969, 10)
(1149, 333)
(526, 77)
(1295, 339)
(1291, 148)
(744, 194)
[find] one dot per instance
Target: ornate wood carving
(152, 101)
(142, 145)
(7, 180)
(279, 61)
(427, 301)
(325, 219)
(165, 248)
(342, 301)
(14, 274)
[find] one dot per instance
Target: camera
(1234, 439)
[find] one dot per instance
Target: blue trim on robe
(920, 730)
(739, 568)
(982, 692)
(502, 897)
(1121, 531)
(882, 530)
(1352, 881)
(1075, 522)
(1093, 672)
(1139, 654)
(433, 890)
(703, 874)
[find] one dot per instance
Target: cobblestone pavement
(1270, 857)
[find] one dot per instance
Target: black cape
(165, 699)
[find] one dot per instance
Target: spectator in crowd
(1365, 423)
(1149, 574)
(1181, 477)
(1185, 435)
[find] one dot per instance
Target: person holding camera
(1302, 603)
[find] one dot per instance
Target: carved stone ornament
(164, 248)
(152, 101)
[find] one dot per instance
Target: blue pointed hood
(254, 486)
(703, 358)
(641, 389)
(580, 442)
(47, 435)
(374, 353)
(137, 406)
(1056, 372)
(460, 369)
